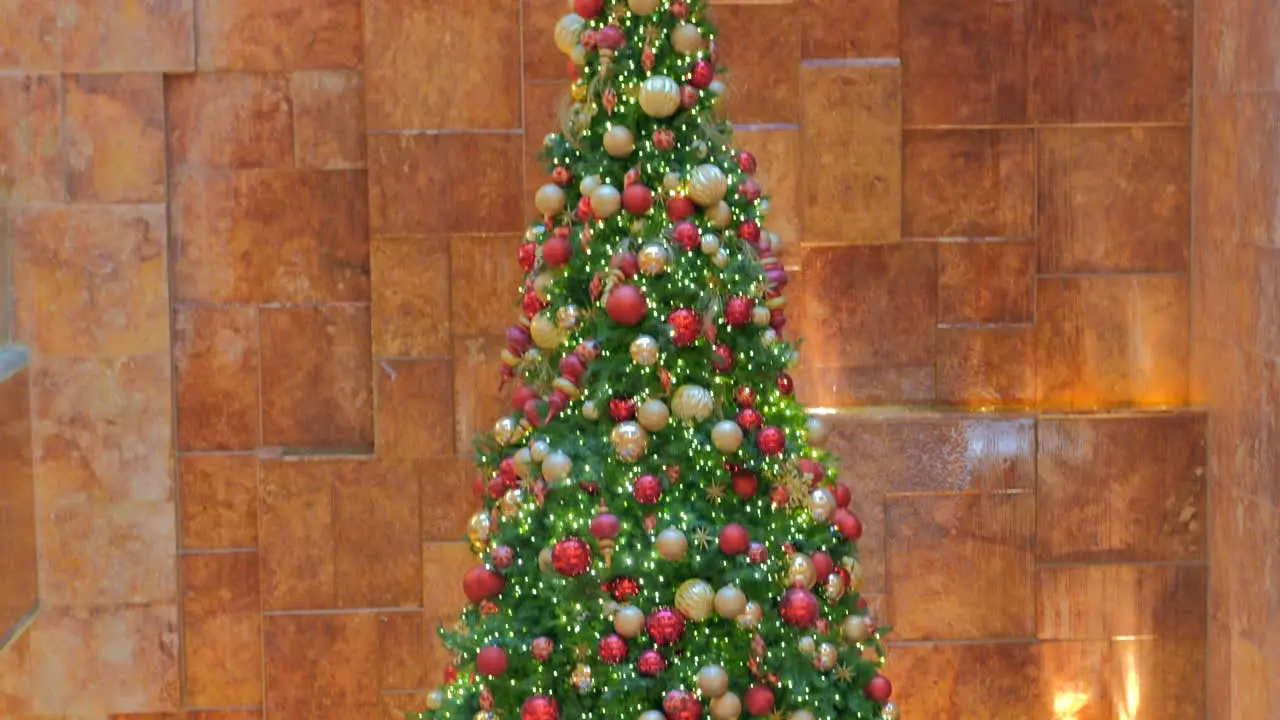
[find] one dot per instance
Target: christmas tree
(662, 536)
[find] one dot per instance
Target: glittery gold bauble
(726, 707)
(523, 460)
(484, 715)
(720, 259)
(808, 645)
(660, 96)
(710, 244)
(835, 588)
(630, 441)
(707, 185)
(556, 466)
(751, 615)
(760, 316)
(581, 678)
(719, 215)
(713, 681)
(816, 430)
(544, 560)
(692, 403)
(695, 599)
(550, 199)
(578, 91)
(568, 317)
(539, 450)
(644, 351)
(827, 657)
(672, 544)
(730, 602)
(589, 184)
(567, 31)
(478, 529)
(629, 621)
(855, 629)
(727, 436)
(511, 502)
(619, 141)
(542, 285)
(822, 504)
(652, 259)
(435, 700)
(890, 712)
(686, 38)
(546, 334)
(801, 715)
(590, 410)
(653, 415)
(643, 7)
(800, 571)
(671, 182)
(606, 201)
(505, 431)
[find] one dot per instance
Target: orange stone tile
(477, 399)
(321, 247)
(1216, 46)
(542, 60)
(19, 562)
(1259, 128)
(215, 358)
(987, 367)
(297, 534)
(219, 501)
(123, 658)
(222, 630)
(1255, 61)
(961, 566)
(1085, 177)
(401, 649)
(328, 119)
(448, 500)
(15, 676)
(545, 106)
(852, 153)
(1111, 341)
(415, 408)
(415, 186)
(1100, 602)
(937, 681)
(32, 156)
(337, 652)
(410, 285)
(1094, 61)
(94, 279)
(835, 387)
(406, 49)
(33, 44)
(317, 377)
(850, 28)
(1126, 489)
(101, 429)
(229, 120)
(267, 35)
(222, 715)
(964, 63)
(378, 536)
(104, 36)
(443, 565)
(959, 183)
(115, 138)
(986, 282)
(485, 278)
(760, 44)
(777, 152)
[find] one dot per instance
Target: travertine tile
(448, 499)
(443, 565)
(411, 278)
(34, 44)
(477, 399)
(859, 386)
(1216, 45)
(396, 706)
(93, 280)
(219, 501)
(986, 367)
(1259, 126)
(222, 630)
(15, 677)
(215, 360)
(104, 36)
(760, 46)
(297, 534)
(337, 652)
(850, 28)
(1100, 602)
(328, 119)
(278, 34)
(229, 120)
(852, 153)
(401, 651)
(777, 151)
(115, 138)
(19, 562)
(968, 183)
(32, 155)
(407, 50)
(415, 409)
(378, 536)
(484, 281)
(542, 60)
(1255, 66)
(935, 680)
(986, 282)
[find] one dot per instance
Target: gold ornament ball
(435, 700)
(801, 715)
(630, 441)
(653, 415)
(692, 403)
(556, 466)
(800, 571)
(652, 715)
(719, 215)
(660, 96)
(505, 431)
(720, 259)
(590, 410)
(542, 285)
(511, 502)
(827, 657)
(550, 199)
(619, 141)
(808, 645)
(707, 185)
(890, 712)
(546, 334)
(578, 56)
(589, 184)
(760, 316)
(686, 38)
(568, 30)
(544, 560)
(578, 91)
(523, 460)
(751, 615)
(701, 148)
(816, 430)
(710, 244)
(769, 337)
(835, 588)
(695, 599)
(672, 545)
(713, 681)
(581, 678)
(822, 504)
(478, 530)
(644, 351)
(855, 629)
(539, 450)
(629, 621)
(643, 8)
(671, 182)
(568, 317)
(652, 259)
(727, 436)
(484, 715)
(606, 201)
(726, 707)
(730, 602)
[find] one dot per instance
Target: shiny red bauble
(823, 565)
(737, 311)
(798, 607)
(702, 75)
(647, 489)
(491, 661)
(771, 441)
(531, 304)
(681, 705)
(503, 557)
(679, 208)
(613, 649)
(528, 256)
(605, 526)
(622, 409)
(745, 483)
(637, 199)
(627, 305)
(688, 96)
(749, 231)
(540, 707)
(757, 553)
(686, 236)
(665, 626)
(561, 176)
(722, 358)
(541, 649)
(518, 339)
(759, 700)
(497, 488)
(557, 251)
(651, 663)
(734, 539)
(664, 139)
(588, 8)
(680, 9)
(746, 162)
(625, 261)
(481, 582)
(844, 496)
(685, 327)
(750, 190)
(750, 419)
(879, 689)
(786, 385)
(571, 556)
(623, 588)
(744, 396)
(611, 37)
(847, 523)
(814, 469)
(572, 367)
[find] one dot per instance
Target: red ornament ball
(627, 305)
(814, 469)
(557, 251)
(623, 588)
(583, 211)
(491, 661)
(879, 689)
(541, 649)
(626, 261)
(737, 311)
(771, 441)
(749, 230)
(759, 700)
(745, 483)
(734, 539)
(823, 565)
(518, 339)
(844, 496)
(778, 495)
(686, 236)
(571, 556)
(651, 663)
(665, 626)
(622, 409)
(605, 526)
(480, 582)
(747, 162)
(572, 367)
(680, 9)
(664, 139)
(647, 489)
(503, 557)
(702, 75)
(613, 649)
(450, 674)
(786, 384)
(744, 396)
(848, 524)
(722, 358)
(757, 553)
(685, 327)
(588, 8)
(637, 199)
(611, 37)
(528, 256)
(587, 350)
(497, 488)
(540, 707)
(750, 190)
(561, 176)
(531, 304)
(681, 705)
(799, 607)
(679, 208)
(750, 419)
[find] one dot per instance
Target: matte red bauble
(737, 311)
(680, 9)
(623, 588)
(491, 661)
(664, 139)
(627, 305)
(613, 649)
(571, 556)
(540, 707)
(541, 649)
(745, 484)
(528, 255)
(847, 523)
(771, 441)
(647, 489)
(684, 327)
(679, 208)
(799, 607)
(750, 419)
(450, 674)
(686, 236)
(759, 700)
(622, 409)
(480, 582)
(688, 96)
(605, 526)
(879, 689)
(844, 496)
(823, 565)
(557, 251)
(611, 37)
(786, 385)
(637, 199)
(681, 705)
(665, 626)
(651, 663)
(734, 539)
(746, 162)
(588, 8)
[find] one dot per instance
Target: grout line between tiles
(344, 611)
